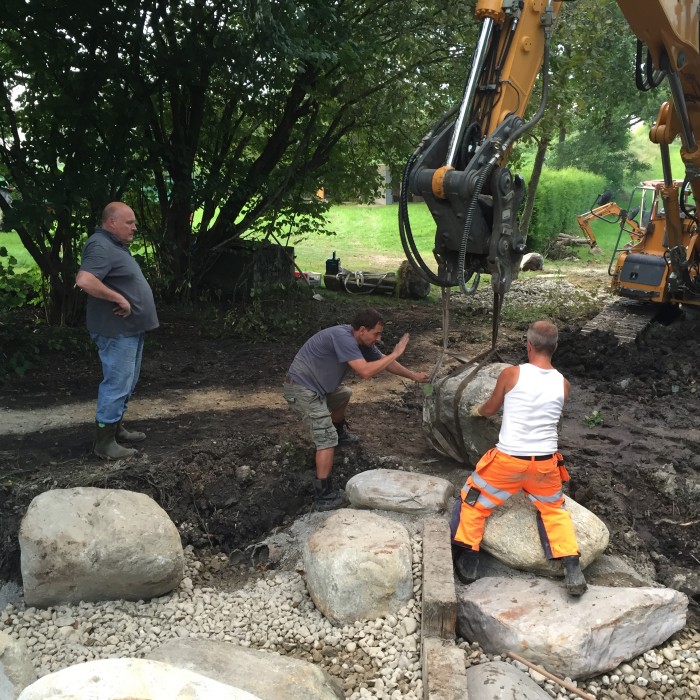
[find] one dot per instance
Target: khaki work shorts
(316, 410)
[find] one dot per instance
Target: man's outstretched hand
(401, 345)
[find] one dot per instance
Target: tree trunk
(542, 147)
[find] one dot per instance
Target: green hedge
(561, 196)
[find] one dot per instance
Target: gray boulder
(16, 670)
(119, 679)
(497, 680)
(511, 536)
(405, 492)
(612, 571)
(532, 261)
(478, 434)
(574, 637)
(267, 675)
(97, 544)
(358, 566)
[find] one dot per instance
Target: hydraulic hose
(407, 240)
(684, 208)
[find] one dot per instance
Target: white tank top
(531, 412)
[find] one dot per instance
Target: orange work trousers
(496, 478)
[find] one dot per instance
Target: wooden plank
(439, 617)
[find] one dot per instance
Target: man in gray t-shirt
(313, 387)
(120, 311)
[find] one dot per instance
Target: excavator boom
(459, 168)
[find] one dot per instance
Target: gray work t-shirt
(322, 361)
(110, 261)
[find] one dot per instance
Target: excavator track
(624, 318)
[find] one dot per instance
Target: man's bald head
(119, 219)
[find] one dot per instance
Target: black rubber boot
(106, 446)
(126, 435)
(328, 498)
(573, 576)
(466, 565)
(344, 436)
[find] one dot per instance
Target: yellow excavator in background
(603, 208)
(644, 213)
(459, 166)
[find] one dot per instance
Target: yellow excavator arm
(584, 220)
(458, 168)
(604, 210)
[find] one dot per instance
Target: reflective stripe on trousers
(498, 476)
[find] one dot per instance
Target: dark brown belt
(537, 458)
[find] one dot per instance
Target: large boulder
(16, 670)
(120, 679)
(608, 570)
(358, 566)
(404, 492)
(444, 433)
(97, 544)
(496, 680)
(574, 637)
(411, 283)
(511, 536)
(532, 261)
(266, 674)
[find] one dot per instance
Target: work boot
(106, 446)
(466, 565)
(573, 576)
(344, 436)
(126, 435)
(328, 498)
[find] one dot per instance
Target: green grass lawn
(10, 241)
(366, 238)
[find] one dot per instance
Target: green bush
(561, 196)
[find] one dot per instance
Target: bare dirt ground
(229, 462)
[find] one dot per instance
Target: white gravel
(273, 610)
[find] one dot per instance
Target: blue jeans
(121, 365)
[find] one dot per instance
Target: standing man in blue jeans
(120, 311)
(313, 387)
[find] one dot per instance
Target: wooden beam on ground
(439, 618)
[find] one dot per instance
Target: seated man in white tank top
(526, 457)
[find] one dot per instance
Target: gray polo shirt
(322, 361)
(110, 261)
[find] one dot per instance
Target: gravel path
(372, 659)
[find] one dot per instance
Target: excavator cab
(642, 267)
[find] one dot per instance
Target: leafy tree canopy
(237, 110)
(218, 119)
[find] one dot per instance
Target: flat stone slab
(574, 637)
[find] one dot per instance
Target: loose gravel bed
(371, 659)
